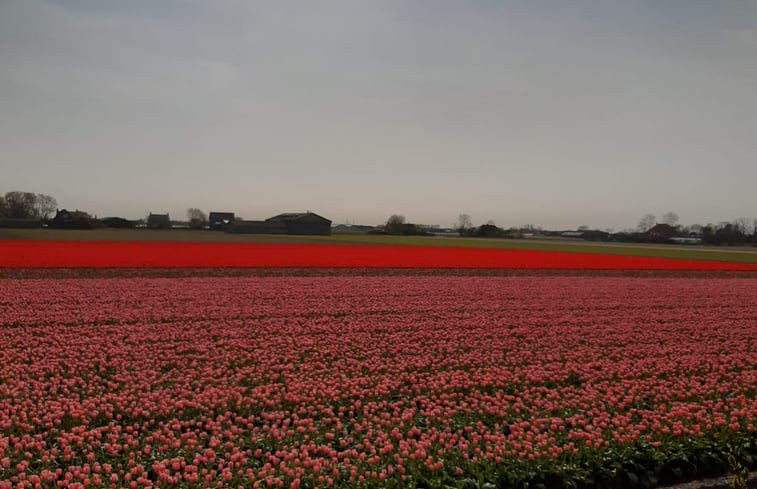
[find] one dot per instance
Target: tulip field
(375, 380)
(135, 254)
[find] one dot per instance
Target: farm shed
(303, 223)
(217, 220)
(158, 221)
(662, 231)
(65, 219)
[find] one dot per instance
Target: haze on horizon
(556, 114)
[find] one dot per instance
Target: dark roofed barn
(217, 220)
(308, 223)
(662, 231)
(65, 219)
(158, 221)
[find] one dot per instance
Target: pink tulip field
(375, 380)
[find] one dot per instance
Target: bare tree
(197, 218)
(26, 205)
(647, 222)
(3, 210)
(670, 218)
(44, 206)
(463, 224)
(743, 225)
(696, 228)
(19, 205)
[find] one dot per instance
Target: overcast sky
(556, 114)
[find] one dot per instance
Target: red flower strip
(111, 254)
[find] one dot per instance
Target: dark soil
(717, 483)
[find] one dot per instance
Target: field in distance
(729, 254)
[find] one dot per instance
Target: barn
(65, 219)
(662, 231)
(308, 223)
(158, 221)
(217, 220)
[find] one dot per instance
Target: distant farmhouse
(65, 219)
(158, 221)
(662, 231)
(217, 220)
(303, 223)
(667, 232)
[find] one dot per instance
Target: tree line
(18, 205)
(27, 205)
(739, 232)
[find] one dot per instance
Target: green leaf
(653, 480)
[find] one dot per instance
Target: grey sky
(552, 113)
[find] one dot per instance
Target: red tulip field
(140, 254)
(375, 380)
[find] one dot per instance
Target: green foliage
(739, 472)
